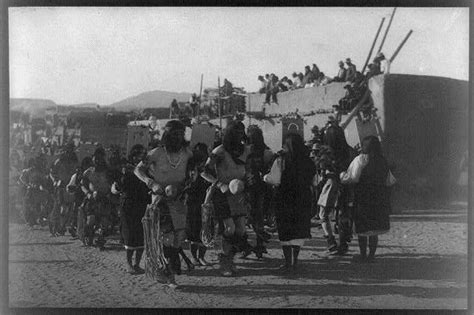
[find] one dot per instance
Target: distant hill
(34, 106)
(82, 105)
(152, 99)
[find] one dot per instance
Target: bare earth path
(422, 263)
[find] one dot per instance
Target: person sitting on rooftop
(322, 79)
(308, 77)
(315, 71)
(348, 101)
(383, 63)
(351, 71)
(262, 85)
(267, 81)
(295, 78)
(374, 69)
(360, 81)
(297, 83)
(341, 75)
(283, 85)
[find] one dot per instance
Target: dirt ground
(421, 263)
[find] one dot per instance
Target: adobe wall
(305, 100)
(424, 123)
(319, 98)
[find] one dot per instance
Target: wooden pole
(219, 101)
(386, 31)
(200, 95)
(356, 109)
(248, 110)
(400, 46)
(373, 44)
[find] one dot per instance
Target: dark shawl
(293, 200)
(372, 197)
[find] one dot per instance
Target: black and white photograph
(238, 158)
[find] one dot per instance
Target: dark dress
(372, 199)
(195, 195)
(293, 200)
(135, 199)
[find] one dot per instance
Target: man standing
(194, 102)
(164, 172)
(351, 71)
(341, 75)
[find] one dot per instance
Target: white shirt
(297, 83)
(352, 175)
(385, 66)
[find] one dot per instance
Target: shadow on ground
(316, 290)
(383, 277)
(46, 244)
(451, 218)
(39, 261)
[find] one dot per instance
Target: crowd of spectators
(271, 84)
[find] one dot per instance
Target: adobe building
(422, 123)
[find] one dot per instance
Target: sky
(102, 55)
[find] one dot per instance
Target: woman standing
(370, 172)
(259, 162)
(195, 195)
(292, 172)
(134, 199)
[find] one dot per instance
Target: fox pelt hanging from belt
(157, 226)
(209, 228)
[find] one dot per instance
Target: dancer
(370, 172)
(33, 179)
(226, 169)
(328, 197)
(341, 155)
(195, 195)
(134, 199)
(292, 173)
(63, 168)
(96, 186)
(77, 220)
(164, 172)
